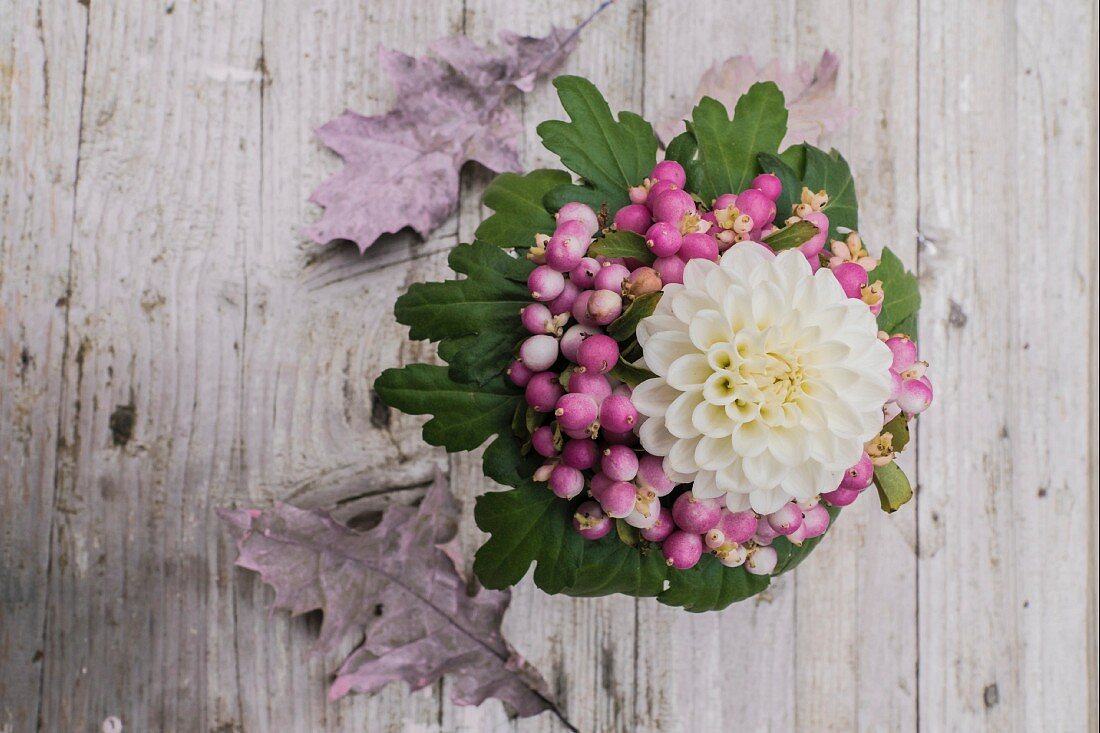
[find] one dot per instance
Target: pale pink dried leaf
(810, 92)
(396, 587)
(401, 168)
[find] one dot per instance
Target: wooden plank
(41, 65)
(167, 198)
(319, 330)
(1005, 451)
(584, 647)
(857, 670)
(687, 661)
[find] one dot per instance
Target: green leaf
(610, 155)
(476, 318)
(627, 534)
(789, 179)
(610, 566)
(518, 206)
(829, 171)
(625, 326)
(902, 295)
(527, 524)
(728, 148)
(464, 415)
(621, 243)
(899, 432)
(792, 235)
(682, 148)
(893, 487)
(711, 586)
(630, 374)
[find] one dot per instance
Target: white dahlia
(769, 379)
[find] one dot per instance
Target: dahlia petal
(652, 397)
(664, 348)
(712, 420)
(745, 257)
(705, 487)
(737, 502)
(767, 501)
(712, 454)
(689, 372)
(655, 437)
(707, 328)
(678, 416)
(682, 456)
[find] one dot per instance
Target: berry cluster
(588, 421)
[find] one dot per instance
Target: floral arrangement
(684, 368)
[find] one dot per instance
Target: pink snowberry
(537, 318)
(904, 351)
(859, 476)
(604, 306)
(786, 519)
(576, 411)
(698, 246)
(662, 528)
(576, 211)
(768, 184)
(673, 205)
(762, 560)
(618, 414)
(725, 201)
(852, 278)
(651, 475)
(599, 354)
(590, 383)
(682, 550)
(915, 396)
(542, 440)
(580, 454)
(669, 171)
(519, 373)
(543, 391)
(642, 281)
(590, 521)
(539, 352)
(619, 462)
(738, 527)
(545, 283)
(566, 481)
(663, 239)
(656, 189)
(671, 269)
(840, 497)
(617, 499)
(584, 274)
(567, 246)
(812, 247)
(633, 218)
(759, 207)
(580, 309)
(572, 338)
(610, 277)
(815, 521)
(696, 515)
(764, 533)
(562, 305)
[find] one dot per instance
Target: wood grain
(170, 343)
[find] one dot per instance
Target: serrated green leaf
(527, 524)
(464, 415)
(830, 172)
(727, 156)
(630, 374)
(519, 213)
(682, 148)
(711, 586)
(609, 155)
(621, 243)
(625, 326)
(791, 235)
(610, 566)
(901, 295)
(476, 318)
(893, 487)
(789, 179)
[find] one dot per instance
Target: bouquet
(683, 368)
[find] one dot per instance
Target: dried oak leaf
(397, 586)
(810, 95)
(401, 168)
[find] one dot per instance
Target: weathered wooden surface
(170, 344)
